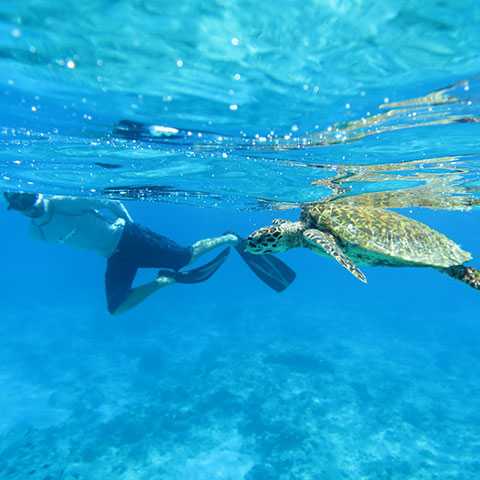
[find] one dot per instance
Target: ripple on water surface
(208, 104)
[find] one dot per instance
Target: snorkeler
(106, 227)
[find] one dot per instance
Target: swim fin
(199, 274)
(271, 270)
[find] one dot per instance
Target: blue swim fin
(199, 274)
(271, 270)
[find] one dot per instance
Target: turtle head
(276, 238)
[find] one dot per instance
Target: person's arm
(118, 208)
(138, 294)
(78, 205)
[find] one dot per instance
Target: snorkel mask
(30, 204)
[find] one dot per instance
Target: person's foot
(231, 239)
(165, 277)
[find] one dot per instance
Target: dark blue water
(331, 379)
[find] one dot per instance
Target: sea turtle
(366, 235)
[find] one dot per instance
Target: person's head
(30, 204)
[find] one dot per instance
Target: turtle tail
(469, 275)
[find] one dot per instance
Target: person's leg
(201, 247)
(156, 251)
(119, 277)
(152, 250)
(142, 248)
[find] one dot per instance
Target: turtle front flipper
(326, 241)
(469, 275)
(280, 221)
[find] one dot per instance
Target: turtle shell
(386, 234)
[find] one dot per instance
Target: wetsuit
(106, 227)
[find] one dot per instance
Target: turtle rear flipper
(329, 245)
(468, 275)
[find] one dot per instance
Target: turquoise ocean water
(268, 106)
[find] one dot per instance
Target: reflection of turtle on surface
(438, 183)
(365, 235)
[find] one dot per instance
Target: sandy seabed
(252, 394)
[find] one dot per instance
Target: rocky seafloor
(242, 393)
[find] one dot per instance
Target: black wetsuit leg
(118, 281)
(140, 247)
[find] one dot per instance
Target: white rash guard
(91, 224)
